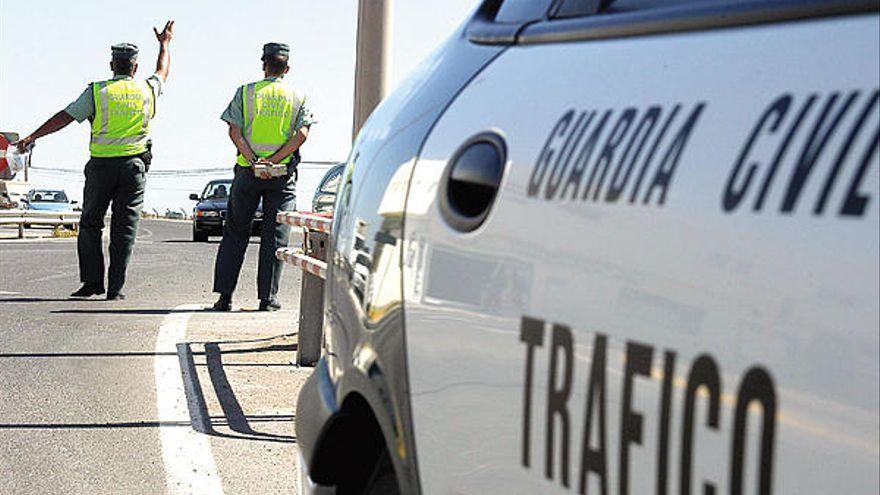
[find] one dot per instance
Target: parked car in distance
(47, 200)
(325, 194)
(210, 211)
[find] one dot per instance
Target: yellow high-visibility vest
(270, 110)
(123, 109)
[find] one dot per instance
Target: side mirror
(194, 197)
(74, 202)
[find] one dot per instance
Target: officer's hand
(23, 144)
(166, 34)
(263, 175)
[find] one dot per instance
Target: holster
(147, 156)
(292, 167)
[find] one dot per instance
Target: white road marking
(189, 463)
(33, 240)
(7, 293)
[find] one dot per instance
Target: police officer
(268, 122)
(120, 110)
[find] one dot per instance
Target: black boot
(269, 305)
(115, 296)
(88, 290)
(224, 303)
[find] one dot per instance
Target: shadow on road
(188, 241)
(83, 355)
(235, 417)
(133, 311)
(140, 311)
(39, 299)
(128, 354)
(217, 420)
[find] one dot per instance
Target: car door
(675, 288)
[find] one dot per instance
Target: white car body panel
(794, 294)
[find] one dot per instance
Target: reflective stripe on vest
(123, 109)
(270, 110)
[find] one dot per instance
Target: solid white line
(6, 293)
(189, 463)
(32, 240)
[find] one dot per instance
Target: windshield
(47, 196)
(331, 182)
(217, 190)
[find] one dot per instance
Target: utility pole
(371, 67)
(27, 163)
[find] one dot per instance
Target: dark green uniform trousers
(120, 181)
(278, 194)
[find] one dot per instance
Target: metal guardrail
(311, 258)
(295, 257)
(35, 217)
(311, 221)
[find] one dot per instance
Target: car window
(579, 8)
(217, 190)
(512, 11)
(575, 8)
(581, 20)
(48, 196)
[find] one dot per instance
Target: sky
(51, 49)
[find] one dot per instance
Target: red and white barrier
(295, 257)
(311, 301)
(309, 221)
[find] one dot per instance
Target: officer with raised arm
(268, 122)
(120, 110)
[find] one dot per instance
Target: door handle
(471, 181)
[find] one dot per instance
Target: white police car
(596, 247)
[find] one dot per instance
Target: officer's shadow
(140, 311)
(234, 417)
(127, 311)
(209, 241)
(187, 241)
(16, 300)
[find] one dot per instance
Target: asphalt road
(94, 395)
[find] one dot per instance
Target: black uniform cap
(271, 49)
(124, 51)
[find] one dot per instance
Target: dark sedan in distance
(210, 211)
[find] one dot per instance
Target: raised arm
(54, 124)
(163, 62)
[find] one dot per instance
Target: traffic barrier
(310, 221)
(35, 217)
(312, 260)
(295, 257)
